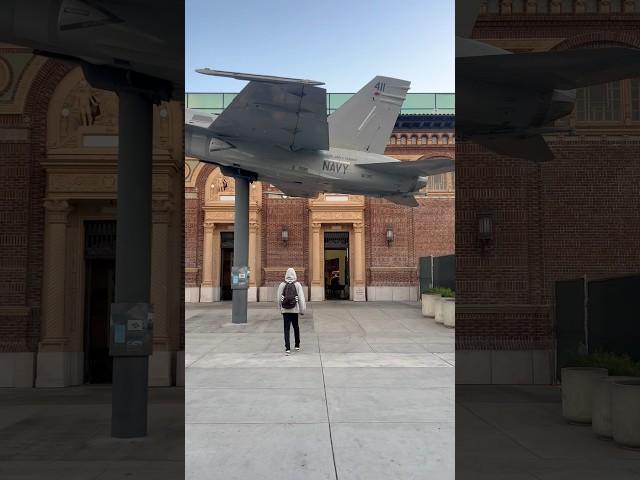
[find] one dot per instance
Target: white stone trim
(59, 369)
(17, 369)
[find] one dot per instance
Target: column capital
(358, 227)
(316, 225)
(57, 210)
(209, 225)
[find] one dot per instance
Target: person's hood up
(290, 276)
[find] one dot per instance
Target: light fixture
(285, 234)
(389, 234)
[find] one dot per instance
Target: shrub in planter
(616, 364)
(620, 367)
(601, 405)
(625, 412)
(431, 299)
(448, 310)
(577, 392)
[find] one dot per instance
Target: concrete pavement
(64, 434)
(518, 433)
(369, 396)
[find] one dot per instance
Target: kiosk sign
(240, 278)
(131, 329)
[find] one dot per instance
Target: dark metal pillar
(241, 247)
(133, 256)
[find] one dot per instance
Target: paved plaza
(369, 396)
(64, 434)
(518, 433)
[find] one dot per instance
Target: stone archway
(81, 183)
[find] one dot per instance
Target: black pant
(291, 318)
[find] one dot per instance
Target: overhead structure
(508, 101)
(121, 47)
(276, 130)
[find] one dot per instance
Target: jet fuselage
(335, 170)
(486, 108)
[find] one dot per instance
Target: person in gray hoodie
(291, 303)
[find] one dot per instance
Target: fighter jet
(137, 42)
(507, 101)
(276, 130)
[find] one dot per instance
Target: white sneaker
(297, 348)
(287, 352)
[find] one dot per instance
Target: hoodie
(291, 277)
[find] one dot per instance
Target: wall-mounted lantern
(285, 234)
(485, 229)
(389, 234)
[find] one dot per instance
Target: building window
(445, 140)
(414, 140)
(403, 140)
(434, 140)
(423, 139)
(393, 140)
(599, 103)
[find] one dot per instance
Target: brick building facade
(58, 146)
(342, 233)
(576, 215)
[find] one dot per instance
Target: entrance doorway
(226, 261)
(336, 265)
(100, 269)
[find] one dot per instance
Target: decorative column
(206, 290)
(160, 360)
(252, 294)
(358, 254)
(317, 283)
(54, 363)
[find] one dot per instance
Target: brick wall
(294, 213)
(22, 212)
(575, 215)
(421, 231)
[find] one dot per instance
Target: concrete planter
(448, 308)
(625, 412)
(438, 310)
(429, 301)
(601, 409)
(577, 392)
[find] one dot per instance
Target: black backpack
(290, 293)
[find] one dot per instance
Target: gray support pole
(133, 256)
(241, 247)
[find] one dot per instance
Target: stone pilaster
(206, 290)
(317, 248)
(55, 366)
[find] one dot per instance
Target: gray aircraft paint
(335, 170)
(276, 130)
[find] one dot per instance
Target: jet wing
(287, 112)
(416, 168)
(532, 147)
(562, 70)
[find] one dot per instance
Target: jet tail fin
(365, 121)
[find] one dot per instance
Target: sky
(341, 43)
